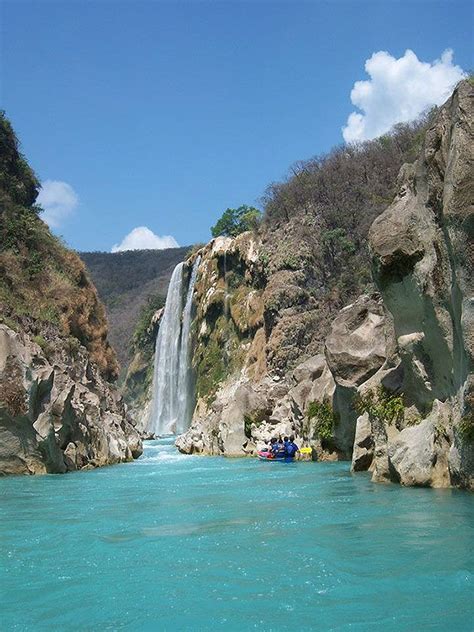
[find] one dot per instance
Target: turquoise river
(171, 542)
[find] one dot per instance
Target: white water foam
(172, 384)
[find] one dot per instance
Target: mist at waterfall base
(172, 380)
(175, 542)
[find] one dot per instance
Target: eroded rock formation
(423, 256)
(57, 413)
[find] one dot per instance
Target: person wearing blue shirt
(273, 446)
(291, 448)
(281, 450)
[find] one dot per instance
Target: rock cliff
(385, 382)
(59, 410)
(57, 413)
(423, 255)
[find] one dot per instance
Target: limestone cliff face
(244, 395)
(57, 413)
(390, 384)
(385, 382)
(422, 248)
(58, 408)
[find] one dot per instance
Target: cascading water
(171, 378)
(184, 372)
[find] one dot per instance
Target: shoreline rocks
(58, 416)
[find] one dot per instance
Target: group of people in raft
(281, 448)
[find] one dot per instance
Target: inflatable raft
(265, 455)
(303, 454)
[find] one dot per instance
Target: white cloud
(399, 90)
(142, 238)
(58, 200)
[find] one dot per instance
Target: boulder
(310, 369)
(356, 345)
(417, 456)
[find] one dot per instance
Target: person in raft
(285, 448)
(271, 450)
(277, 447)
(291, 448)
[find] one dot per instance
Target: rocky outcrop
(242, 397)
(423, 265)
(246, 412)
(57, 414)
(418, 456)
(58, 410)
(363, 451)
(356, 345)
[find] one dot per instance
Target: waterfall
(184, 373)
(172, 397)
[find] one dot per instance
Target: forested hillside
(125, 281)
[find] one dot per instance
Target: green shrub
(211, 370)
(234, 279)
(264, 260)
(141, 338)
(48, 314)
(466, 428)
(290, 261)
(72, 345)
(43, 344)
(380, 404)
(326, 419)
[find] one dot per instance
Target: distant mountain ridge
(124, 281)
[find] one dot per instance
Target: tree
(234, 221)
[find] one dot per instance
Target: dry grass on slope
(44, 287)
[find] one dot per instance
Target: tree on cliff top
(234, 221)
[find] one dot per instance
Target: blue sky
(162, 114)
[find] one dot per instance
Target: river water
(172, 542)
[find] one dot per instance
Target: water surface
(194, 543)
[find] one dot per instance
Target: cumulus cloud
(142, 238)
(399, 90)
(58, 200)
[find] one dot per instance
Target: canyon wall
(59, 408)
(390, 384)
(386, 382)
